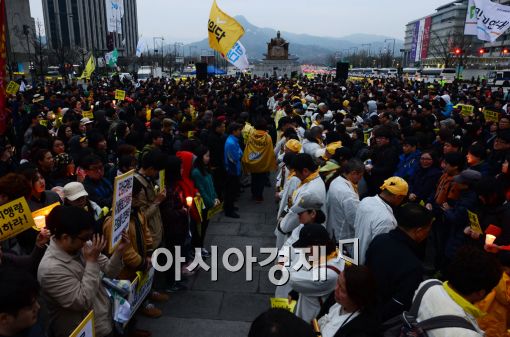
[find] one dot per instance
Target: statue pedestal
(278, 68)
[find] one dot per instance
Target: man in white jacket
(343, 200)
(473, 274)
(312, 292)
(375, 214)
(308, 172)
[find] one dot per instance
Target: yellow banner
(88, 114)
(224, 30)
(467, 110)
(89, 68)
(120, 94)
(214, 210)
(491, 116)
(15, 217)
(12, 88)
(161, 180)
(474, 223)
(283, 303)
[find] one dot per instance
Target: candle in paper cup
(489, 239)
(40, 221)
(189, 201)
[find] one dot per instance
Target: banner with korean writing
(121, 208)
(486, 19)
(12, 88)
(238, 57)
(491, 116)
(86, 327)
(15, 217)
(114, 14)
(120, 95)
(223, 30)
(466, 110)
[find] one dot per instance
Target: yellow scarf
(462, 302)
(308, 179)
(305, 181)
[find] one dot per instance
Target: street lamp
(369, 47)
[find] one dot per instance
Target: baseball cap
(395, 185)
(312, 235)
(85, 121)
(293, 145)
(467, 177)
(74, 190)
(307, 202)
(332, 147)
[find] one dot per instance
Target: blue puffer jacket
(408, 165)
(233, 155)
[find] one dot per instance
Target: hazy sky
(186, 20)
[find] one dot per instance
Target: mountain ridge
(308, 48)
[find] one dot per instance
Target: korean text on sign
(121, 208)
(120, 95)
(15, 217)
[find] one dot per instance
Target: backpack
(405, 324)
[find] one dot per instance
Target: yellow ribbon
(462, 302)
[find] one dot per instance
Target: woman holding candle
(204, 182)
(12, 187)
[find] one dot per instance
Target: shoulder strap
(333, 268)
(419, 296)
(445, 321)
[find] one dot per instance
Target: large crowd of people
(417, 172)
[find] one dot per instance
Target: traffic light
(481, 51)
(457, 51)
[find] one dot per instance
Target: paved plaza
(227, 307)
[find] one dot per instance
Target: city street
(227, 307)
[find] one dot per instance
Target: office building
(21, 31)
(83, 24)
(432, 40)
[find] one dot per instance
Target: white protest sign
(121, 208)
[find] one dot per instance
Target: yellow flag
(89, 68)
(224, 30)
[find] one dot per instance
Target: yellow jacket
(259, 155)
(497, 306)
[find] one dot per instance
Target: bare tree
(442, 48)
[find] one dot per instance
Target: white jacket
(312, 292)
(342, 203)
(291, 219)
(373, 217)
(288, 189)
(436, 302)
(334, 319)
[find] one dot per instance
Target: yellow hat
(331, 148)
(346, 103)
(293, 145)
(396, 186)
